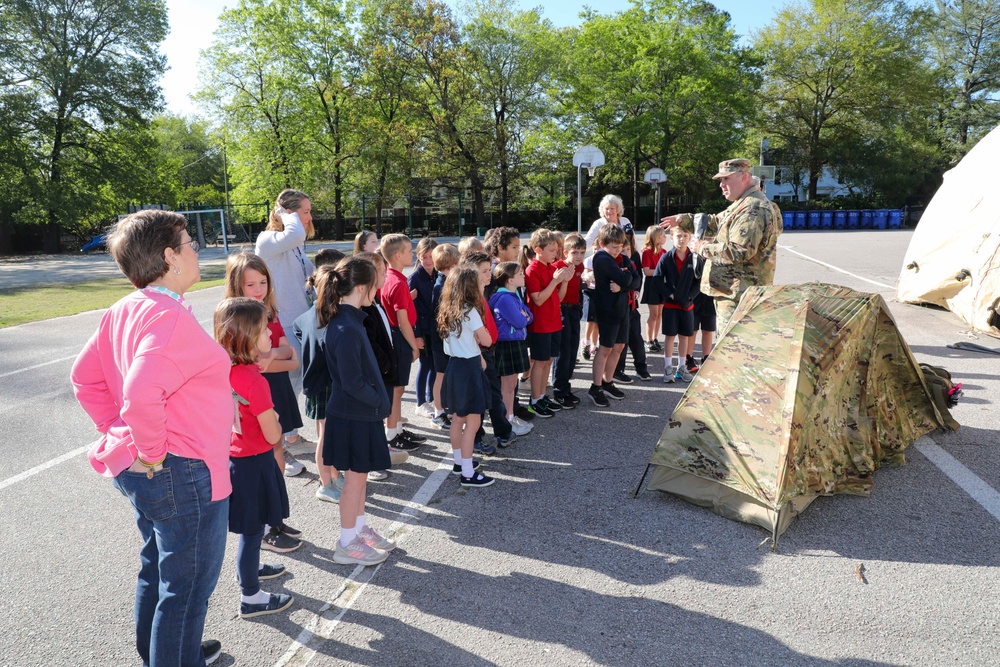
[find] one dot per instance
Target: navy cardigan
(677, 287)
(612, 306)
(357, 392)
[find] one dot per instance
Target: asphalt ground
(557, 563)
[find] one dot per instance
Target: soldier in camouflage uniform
(742, 252)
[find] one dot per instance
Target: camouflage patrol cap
(734, 166)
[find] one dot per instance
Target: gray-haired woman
(156, 385)
(612, 212)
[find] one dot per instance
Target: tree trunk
(53, 232)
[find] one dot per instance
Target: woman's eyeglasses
(194, 245)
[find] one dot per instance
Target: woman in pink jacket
(157, 387)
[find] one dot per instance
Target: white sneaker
(358, 552)
(684, 373)
(292, 467)
(398, 456)
(519, 426)
(301, 446)
(374, 540)
(668, 372)
(377, 475)
(426, 410)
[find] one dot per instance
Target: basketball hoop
(589, 158)
(591, 171)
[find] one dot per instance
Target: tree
(966, 40)
(189, 167)
(89, 68)
(845, 84)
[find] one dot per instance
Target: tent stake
(642, 479)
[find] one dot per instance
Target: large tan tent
(810, 390)
(954, 256)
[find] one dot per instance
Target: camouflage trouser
(723, 313)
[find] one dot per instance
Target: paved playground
(556, 564)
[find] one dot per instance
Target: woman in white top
(612, 213)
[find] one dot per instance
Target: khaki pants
(724, 309)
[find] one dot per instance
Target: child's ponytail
(347, 275)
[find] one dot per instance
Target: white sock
(537, 399)
(438, 413)
(347, 535)
(457, 455)
(260, 598)
(360, 524)
(391, 433)
(467, 470)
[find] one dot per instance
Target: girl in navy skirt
(247, 275)
(259, 497)
(651, 254)
(512, 316)
(355, 441)
(466, 390)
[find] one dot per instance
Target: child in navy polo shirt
(678, 279)
(421, 283)
(402, 313)
(542, 281)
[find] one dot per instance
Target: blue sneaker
(329, 493)
(508, 441)
(278, 602)
(483, 448)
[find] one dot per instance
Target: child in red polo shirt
(571, 305)
(542, 280)
(402, 315)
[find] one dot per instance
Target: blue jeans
(184, 535)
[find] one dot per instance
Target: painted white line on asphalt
(968, 481)
(300, 653)
(43, 467)
(31, 368)
(835, 268)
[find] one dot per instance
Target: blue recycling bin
(787, 219)
(813, 221)
(800, 220)
(880, 219)
(895, 219)
(826, 220)
(853, 219)
(866, 219)
(840, 220)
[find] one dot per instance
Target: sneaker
(301, 446)
(622, 376)
(650, 346)
(477, 479)
(339, 482)
(550, 404)
(508, 441)
(267, 571)
(691, 364)
(456, 469)
(586, 352)
(668, 373)
(277, 602)
(483, 448)
(520, 426)
(683, 375)
(291, 532)
(426, 410)
(397, 456)
(522, 412)
(377, 475)
(611, 390)
(704, 359)
(523, 378)
(292, 467)
(279, 543)
(597, 396)
(358, 552)
(374, 540)
(402, 444)
(412, 437)
(441, 421)
(657, 346)
(539, 409)
(329, 493)
(573, 397)
(565, 402)
(644, 375)
(211, 649)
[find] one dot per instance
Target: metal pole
(362, 213)
(225, 185)
(461, 220)
(409, 202)
(579, 200)
(656, 220)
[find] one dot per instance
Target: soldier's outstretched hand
(669, 221)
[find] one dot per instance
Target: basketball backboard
(588, 156)
(655, 176)
(764, 172)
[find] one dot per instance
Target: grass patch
(32, 303)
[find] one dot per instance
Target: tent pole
(638, 487)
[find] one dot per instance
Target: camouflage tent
(810, 390)
(954, 255)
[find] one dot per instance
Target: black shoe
(412, 437)
(278, 602)
(704, 359)
(399, 442)
(211, 649)
(477, 479)
(644, 375)
(622, 377)
(586, 352)
(279, 542)
(611, 390)
(457, 468)
(565, 402)
(503, 443)
(550, 404)
(442, 421)
(523, 412)
(291, 532)
(597, 396)
(541, 409)
(573, 397)
(691, 364)
(266, 571)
